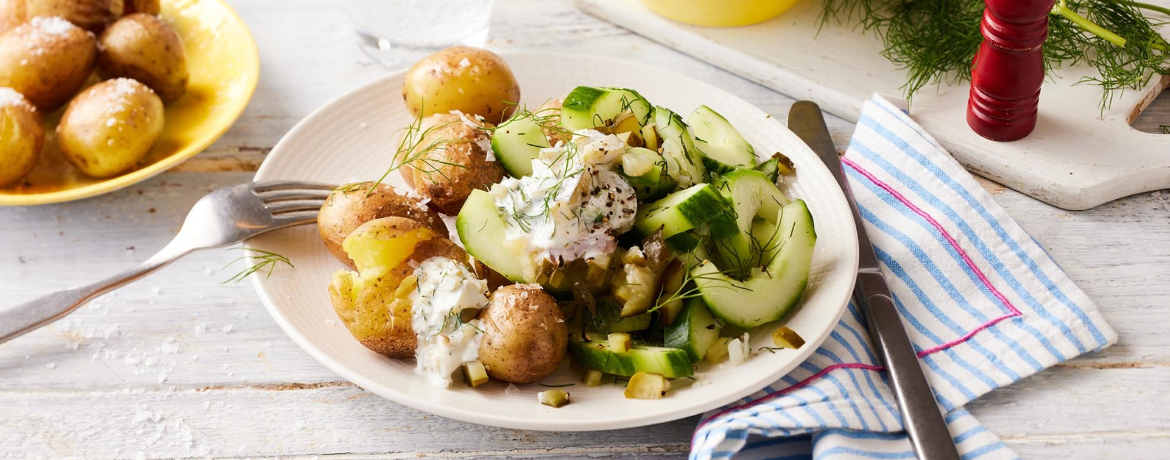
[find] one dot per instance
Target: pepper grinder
(1008, 69)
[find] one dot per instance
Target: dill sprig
(264, 260)
(563, 385)
(936, 40)
(689, 290)
(412, 153)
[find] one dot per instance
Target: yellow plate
(721, 13)
(224, 66)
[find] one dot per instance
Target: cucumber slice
(770, 168)
(597, 354)
(481, 229)
(679, 148)
(608, 319)
(770, 294)
(723, 148)
(653, 182)
(588, 107)
(680, 211)
(516, 143)
(695, 331)
(750, 195)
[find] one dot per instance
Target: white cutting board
(1077, 158)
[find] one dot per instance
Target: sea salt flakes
(55, 25)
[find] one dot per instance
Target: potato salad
(641, 245)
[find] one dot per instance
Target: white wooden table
(179, 365)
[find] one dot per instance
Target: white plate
(350, 139)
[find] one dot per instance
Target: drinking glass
(399, 32)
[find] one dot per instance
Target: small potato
(470, 80)
(450, 161)
(142, 6)
(92, 15)
(147, 49)
(47, 60)
(22, 134)
(524, 334)
(352, 205)
(12, 14)
(374, 302)
(110, 126)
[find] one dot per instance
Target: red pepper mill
(1008, 69)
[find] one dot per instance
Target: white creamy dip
(573, 204)
(445, 289)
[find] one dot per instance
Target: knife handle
(923, 421)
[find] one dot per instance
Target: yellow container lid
(719, 13)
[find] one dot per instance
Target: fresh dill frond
(411, 153)
(556, 386)
(1165, 129)
(936, 40)
(264, 260)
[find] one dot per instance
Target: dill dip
(439, 311)
(572, 206)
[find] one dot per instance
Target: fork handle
(32, 315)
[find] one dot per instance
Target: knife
(921, 416)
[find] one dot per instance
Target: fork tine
(289, 195)
(268, 186)
(285, 207)
(296, 217)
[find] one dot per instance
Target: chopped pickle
(554, 398)
(619, 342)
(785, 165)
(650, 137)
(784, 337)
(476, 374)
(645, 385)
(592, 377)
(718, 351)
(670, 299)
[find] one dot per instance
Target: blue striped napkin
(985, 306)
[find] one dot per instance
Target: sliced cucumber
(516, 143)
(770, 168)
(649, 184)
(597, 354)
(770, 294)
(608, 319)
(723, 148)
(481, 229)
(679, 148)
(588, 107)
(680, 211)
(695, 331)
(750, 195)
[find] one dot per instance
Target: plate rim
(133, 177)
(504, 421)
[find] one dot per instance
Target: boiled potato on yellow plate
(223, 68)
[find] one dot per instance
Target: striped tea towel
(983, 303)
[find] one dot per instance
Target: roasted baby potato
(450, 161)
(471, 80)
(11, 14)
(142, 6)
(147, 49)
(524, 334)
(374, 302)
(22, 134)
(47, 60)
(110, 126)
(352, 205)
(92, 15)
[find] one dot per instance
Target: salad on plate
(634, 243)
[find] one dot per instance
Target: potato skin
(22, 135)
(142, 6)
(110, 126)
(449, 172)
(376, 311)
(470, 80)
(352, 205)
(92, 15)
(12, 14)
(47, 60)
(147, 49)
(524, 334)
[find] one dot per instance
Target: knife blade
(921, 416)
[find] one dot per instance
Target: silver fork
(225, 216)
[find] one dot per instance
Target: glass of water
(399, 32)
